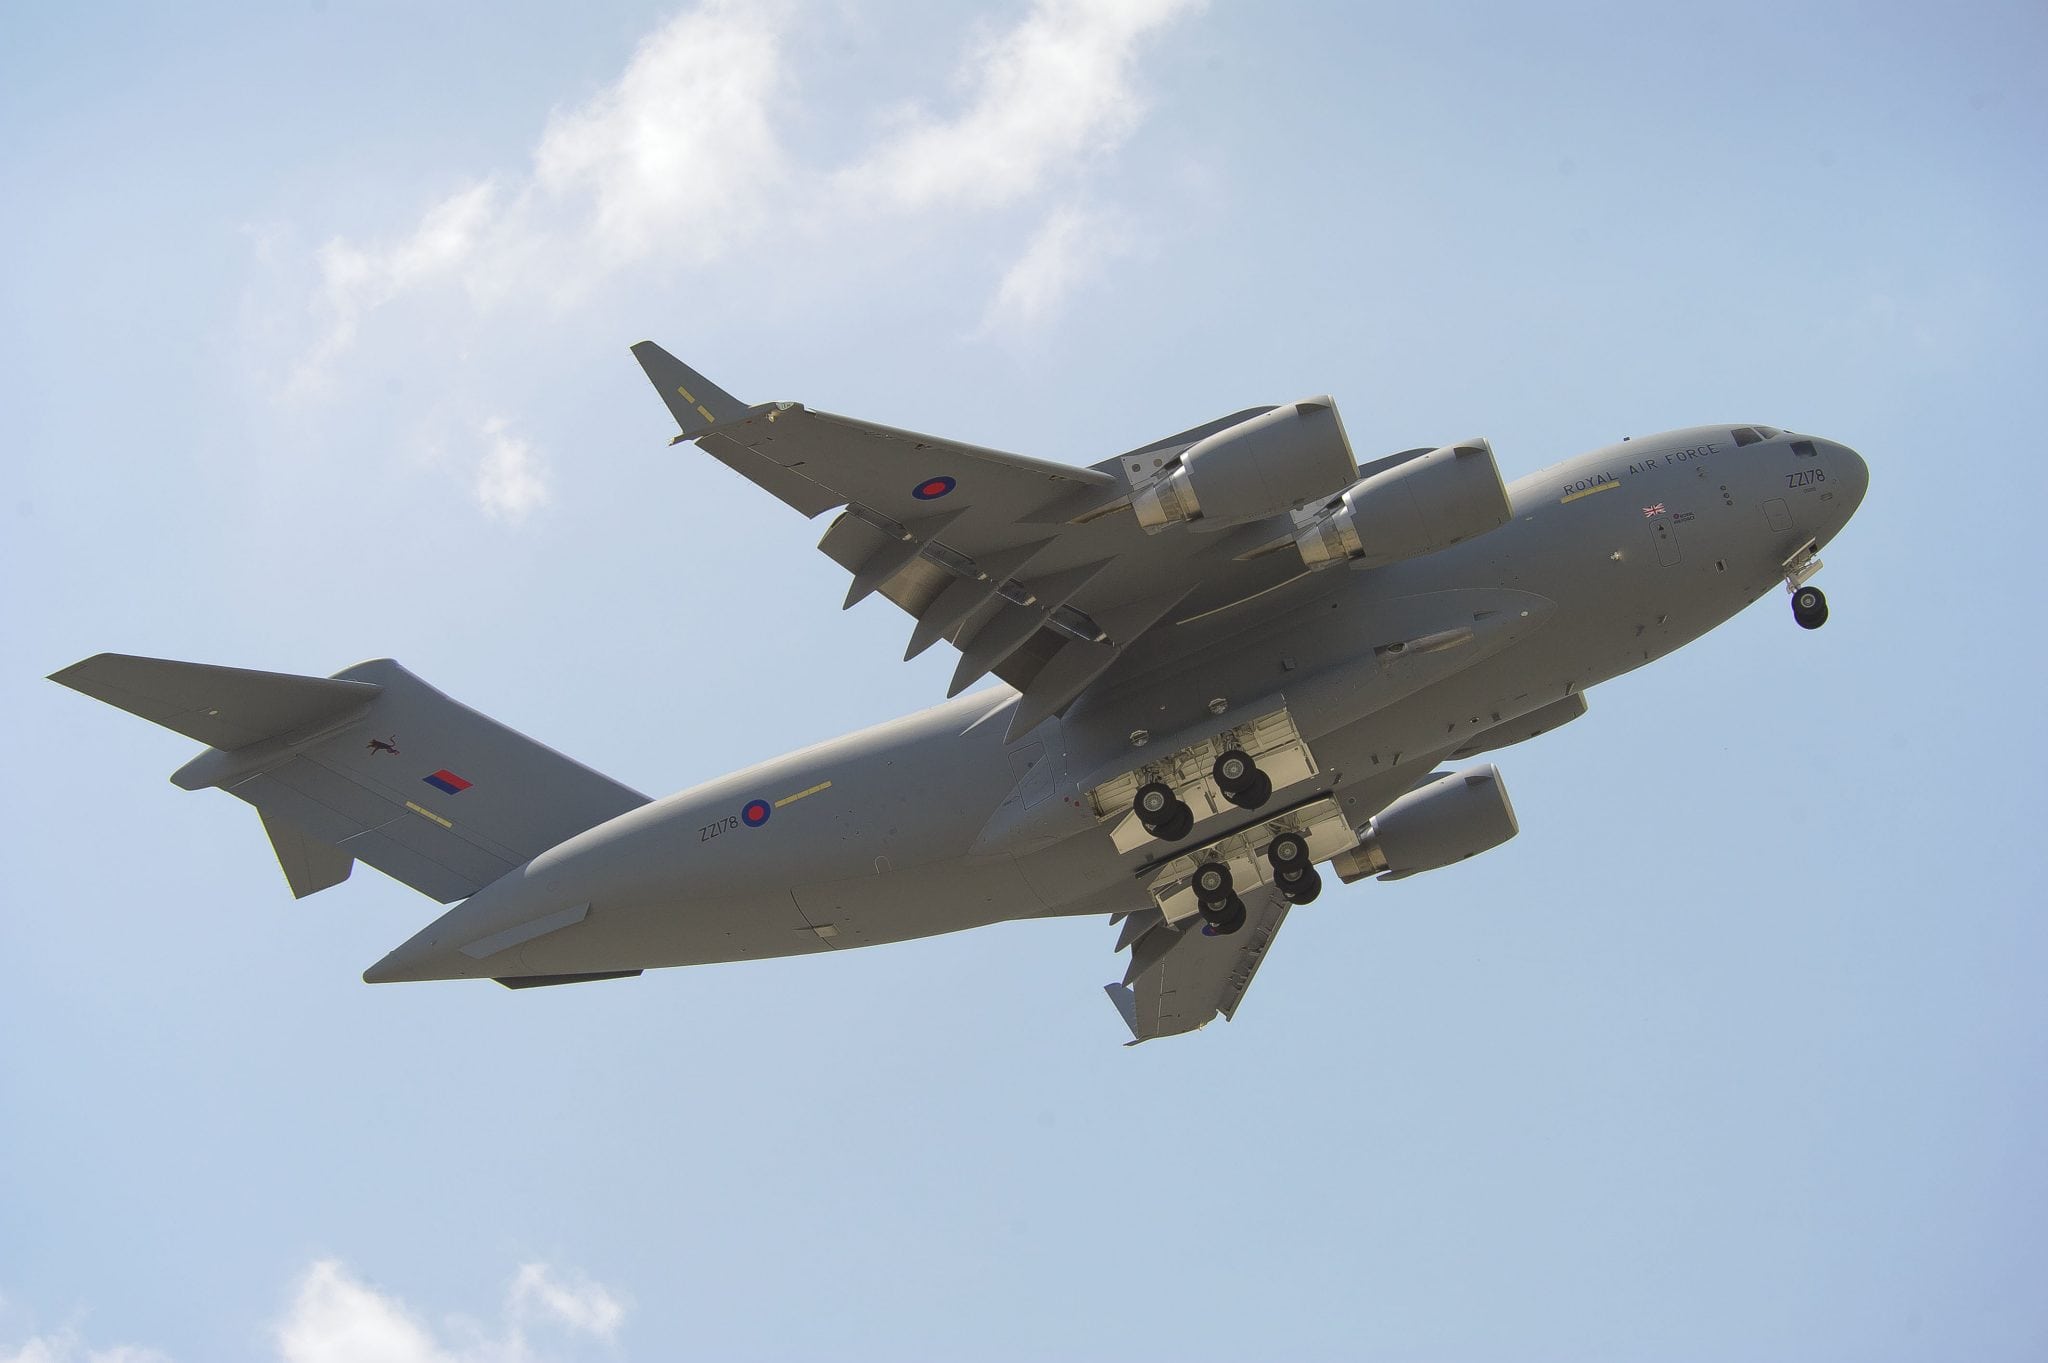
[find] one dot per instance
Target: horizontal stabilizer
(373, 765)
(222, 707)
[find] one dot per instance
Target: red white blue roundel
(755, 813)
(931, 489)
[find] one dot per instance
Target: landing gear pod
(1274, 462)
(1452, 818)
(1416, 507)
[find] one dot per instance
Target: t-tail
(371, 764)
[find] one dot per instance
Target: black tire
(1305, 890)
(1233, 771)
(1288, 852)
(1182, 825)
(1212, 883)
(1253, 793)
(1225, 918)
(1809, 608)
(1154, 804)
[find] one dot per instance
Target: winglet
(696, 402)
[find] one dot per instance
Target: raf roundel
(755, 813)
(931, 489)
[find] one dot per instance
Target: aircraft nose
(1848, 467)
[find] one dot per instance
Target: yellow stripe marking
(706, 415)
(428, 814)
(792, 799)
(1587, 492)
(688, 396)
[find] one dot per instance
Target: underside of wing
(1039, 573)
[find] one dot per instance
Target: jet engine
(1418, 506)
(1273, 462)
(1452, 818)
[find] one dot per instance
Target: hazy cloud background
(314, 349)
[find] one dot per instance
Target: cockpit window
(1803, 448)
(1745, 435)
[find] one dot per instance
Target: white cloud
(511, 478)
(580, 1304)
(335, 1318)
(1057, 87)
(679, 163)
(677, 155)
(1068, 250)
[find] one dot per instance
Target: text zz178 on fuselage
(1228, 663)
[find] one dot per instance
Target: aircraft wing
(1035, 571)
(1181, 978)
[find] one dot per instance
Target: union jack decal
(1656, 510)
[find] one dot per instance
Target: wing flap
(1183, 978)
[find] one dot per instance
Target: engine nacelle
(1416, 507)
(1452, 818)
(1274, 462)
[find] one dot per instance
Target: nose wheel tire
(1220, 920)
(1240, 779)
(1809, 608)
(1164, 815)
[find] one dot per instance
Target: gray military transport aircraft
(1231, 656)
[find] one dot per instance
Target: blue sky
(313, 346)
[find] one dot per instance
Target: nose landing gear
(1809, 606)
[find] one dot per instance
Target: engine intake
(1418, 506)
(1271, 463)
(1452, 818)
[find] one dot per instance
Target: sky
(313, 348)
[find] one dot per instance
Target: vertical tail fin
(370, 765)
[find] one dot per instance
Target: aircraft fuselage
(934, 822)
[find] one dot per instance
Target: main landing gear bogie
(1294, 874)
(1809, 608)
(1240, 779)
(1216, 899)
(1165, 815)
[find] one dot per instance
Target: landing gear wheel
(1212, 884)
(1809, 608)
(1288, 855)
(1220, 920)
(1303, 890)
(1240, 780)
(1161, 812)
